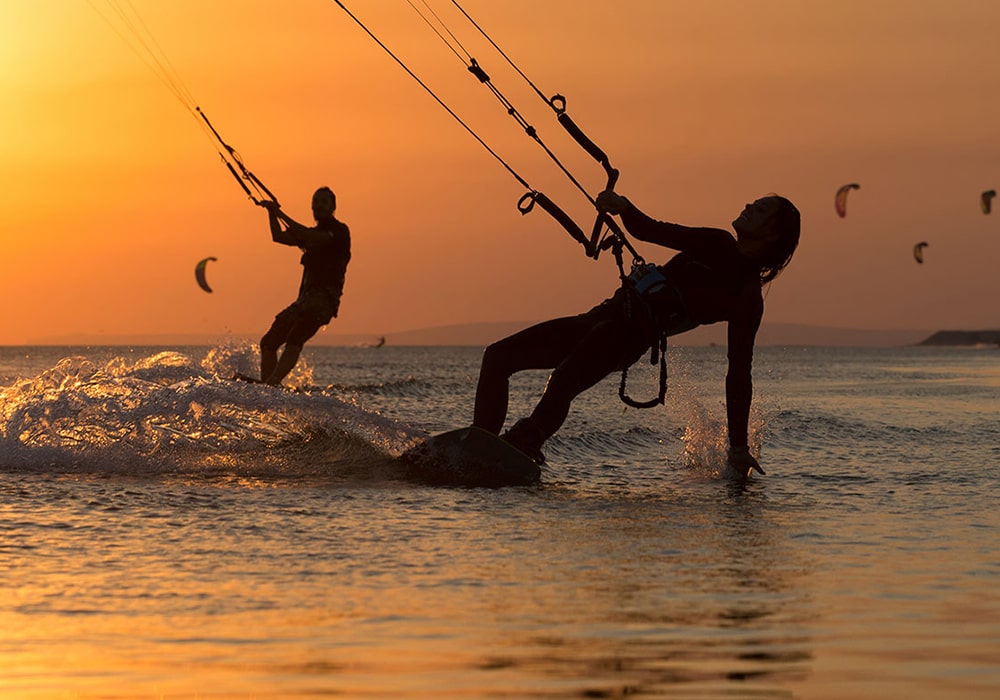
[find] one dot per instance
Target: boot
(528, 438)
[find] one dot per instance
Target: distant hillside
(963, 338)
(769, 334)
(481, 334)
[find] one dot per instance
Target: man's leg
(284, 365)
(303, 327)
(269, 344)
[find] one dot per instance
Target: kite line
(593, 245)
(125, 21)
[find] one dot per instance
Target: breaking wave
(172, 413)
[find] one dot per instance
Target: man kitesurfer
(715, 277)
(326, 250)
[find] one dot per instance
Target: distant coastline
(963, 338)
(481, 334)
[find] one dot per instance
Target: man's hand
(742, 462)
(270, 205)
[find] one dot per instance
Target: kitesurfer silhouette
(326, 250)
(713, 278)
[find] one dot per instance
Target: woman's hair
(786, 223)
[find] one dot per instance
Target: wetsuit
(708, 281)
(324, 265)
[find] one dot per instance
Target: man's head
(324, 203)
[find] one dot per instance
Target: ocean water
(167, 533)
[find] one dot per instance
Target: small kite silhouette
(199, 274)
(840, 201)
(986, 200)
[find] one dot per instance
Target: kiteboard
(240, 377)
(470, 457)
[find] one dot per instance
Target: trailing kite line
(615, 239)
(473, 67)
(558, 104)
(136, 35)
(430, 92)
(234, 157)
(592, 245)
(533, 196)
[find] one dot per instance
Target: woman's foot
(526, 437)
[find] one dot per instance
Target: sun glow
(94, 149)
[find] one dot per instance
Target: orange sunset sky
(112, 192)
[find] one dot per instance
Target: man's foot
(527, 438)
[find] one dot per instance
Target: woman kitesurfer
(714, 277)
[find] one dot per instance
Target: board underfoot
(470, 457)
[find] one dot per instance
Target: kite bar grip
(262, 186)
(240, 181)
(602, 219)
(556, 213)
(477, 71)
(581, 138)
(559, 104)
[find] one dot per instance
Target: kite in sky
(840, 201)
(986, 200)
(199, 274)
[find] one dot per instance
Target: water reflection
(700, 590)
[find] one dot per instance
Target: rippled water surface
(167, 533)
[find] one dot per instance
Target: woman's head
(768, 231)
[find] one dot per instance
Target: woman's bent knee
(496, 360)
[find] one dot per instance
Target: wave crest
(169, 412)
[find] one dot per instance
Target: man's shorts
(299, 322)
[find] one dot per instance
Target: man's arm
(283, 227)
(288, 231)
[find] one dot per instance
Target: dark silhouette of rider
(326, 250)
(714, 277)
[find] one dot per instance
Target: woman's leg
(609, 346)
(541, 346)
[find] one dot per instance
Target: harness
(643, 280)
